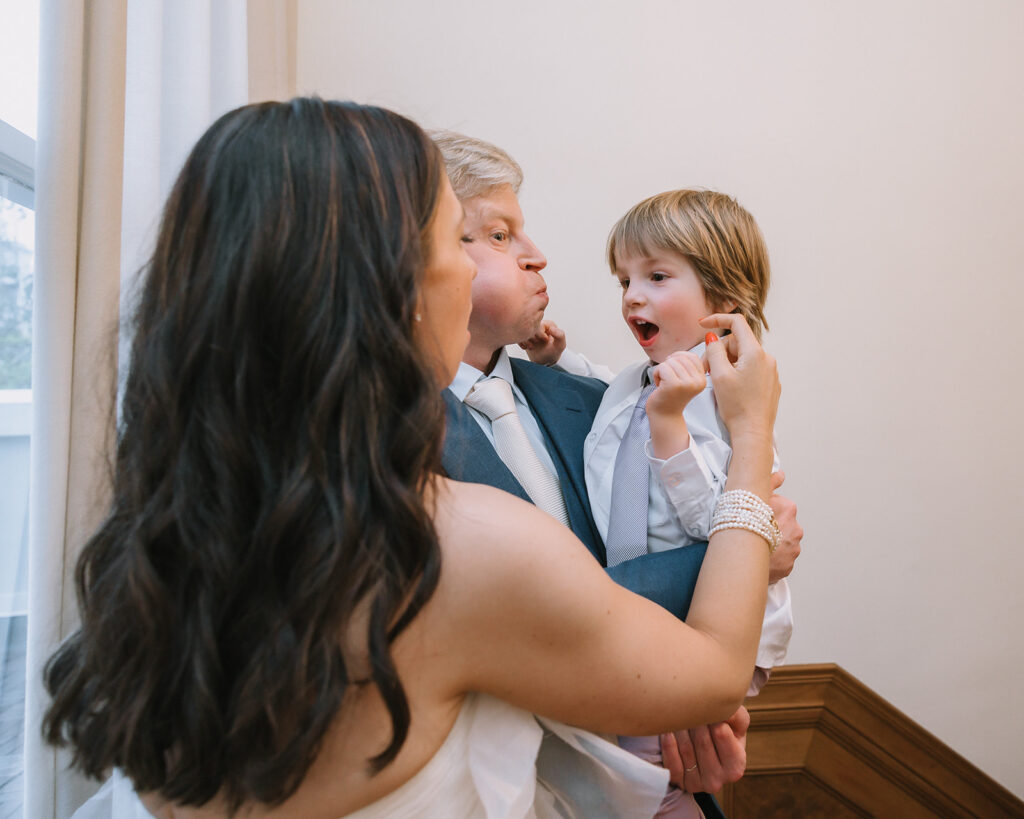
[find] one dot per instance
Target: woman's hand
(745, 377)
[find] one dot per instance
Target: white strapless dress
(498, 762)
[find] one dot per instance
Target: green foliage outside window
(15, 299)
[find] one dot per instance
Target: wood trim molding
(821, 743)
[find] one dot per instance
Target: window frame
(17, 184)
(17, 166)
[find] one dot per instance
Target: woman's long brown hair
(279, 427)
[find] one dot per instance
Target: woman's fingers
(716, 356)
(737, 326)
(747, 389)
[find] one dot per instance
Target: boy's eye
(467, 239)
(658, 277)
(624, 283)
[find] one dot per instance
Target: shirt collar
(468, 375)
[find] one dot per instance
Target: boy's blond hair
(475, 167)
(716, 235)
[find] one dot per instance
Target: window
(18, 59)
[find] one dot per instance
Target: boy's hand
(679, 378)
(547, 346)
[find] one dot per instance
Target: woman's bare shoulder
(472, 504)
(471, 516)
(499, 552)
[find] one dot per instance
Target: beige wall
(880, 146)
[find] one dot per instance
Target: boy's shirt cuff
(691, 488)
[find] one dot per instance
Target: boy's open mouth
(645, 330)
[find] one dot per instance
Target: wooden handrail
(821, 743)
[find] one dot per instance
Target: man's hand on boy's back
(791, 531)
(678, 379)
(547, 346)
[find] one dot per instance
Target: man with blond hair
(554, 410)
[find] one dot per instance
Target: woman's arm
(537, 622)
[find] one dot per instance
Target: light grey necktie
(631, 486)
(493, 397)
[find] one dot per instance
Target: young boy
(679, 256)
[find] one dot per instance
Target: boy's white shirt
(579, 364)
(682, 500)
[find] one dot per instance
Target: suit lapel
(565, 423)
(563, 418)
(469, 456)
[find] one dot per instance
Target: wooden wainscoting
(822, 744)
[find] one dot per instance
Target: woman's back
(498, 762)
(513, 615)
(471, 753)
(281, 419)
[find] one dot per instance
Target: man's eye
(499, 236)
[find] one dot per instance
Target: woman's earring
(417, 317)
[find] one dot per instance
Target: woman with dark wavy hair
(288, 611)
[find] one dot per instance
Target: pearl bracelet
(740, 509)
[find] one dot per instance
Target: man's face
(509, 293)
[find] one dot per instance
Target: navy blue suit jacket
(564, 406)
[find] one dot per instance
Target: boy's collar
(697, 350)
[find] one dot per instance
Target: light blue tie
(493, 397)
(631, 486)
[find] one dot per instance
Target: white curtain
(126, 87)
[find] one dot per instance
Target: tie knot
(492, 397)
(641, 402)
